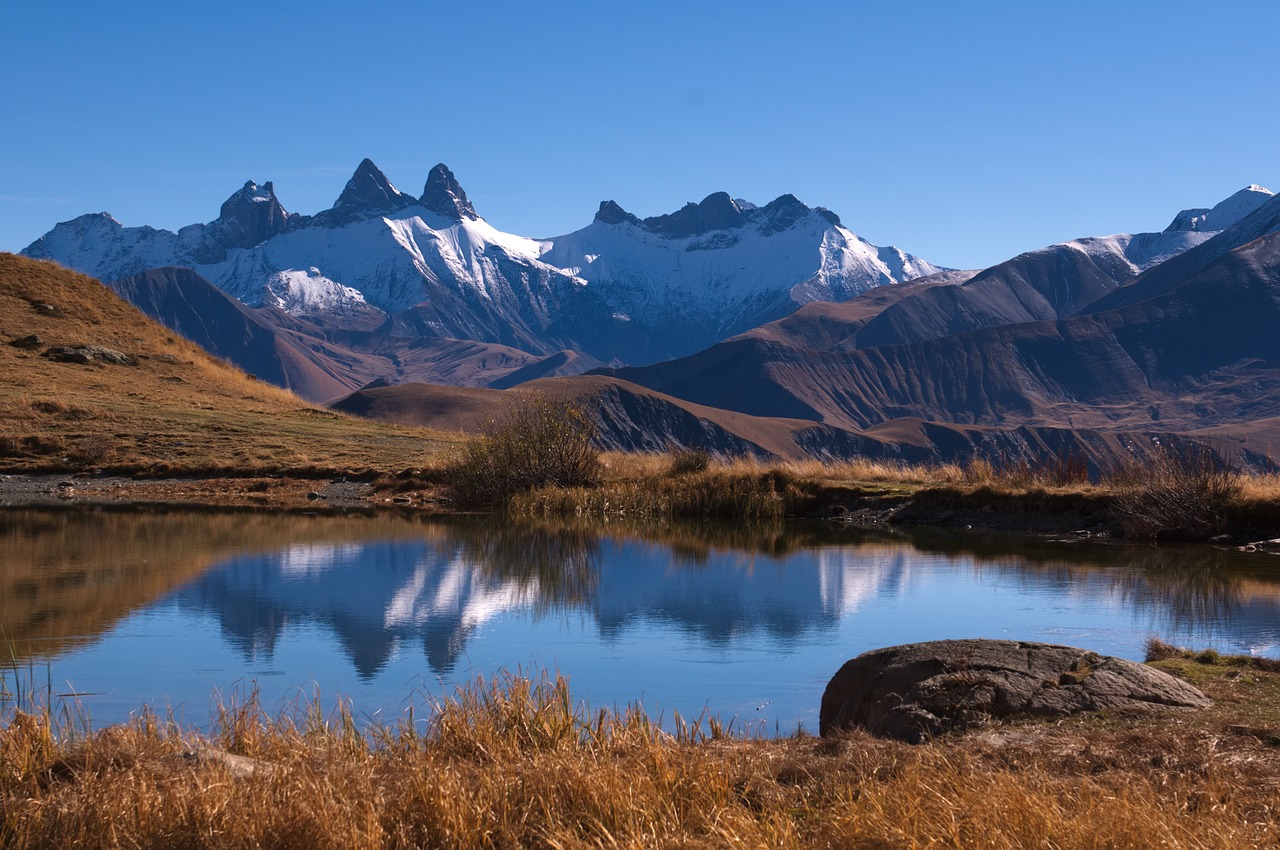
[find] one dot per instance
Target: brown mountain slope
(320, 363)
(1204, 353)
(1164, 277)
(627, 417)
(631, 418)
(185, 302)
(88, 380)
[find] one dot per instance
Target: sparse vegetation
(1176, 494)
(540, 443)
(718, 493)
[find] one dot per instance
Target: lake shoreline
(1080, 515)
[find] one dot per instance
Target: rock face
(916, 691)
(445, 196)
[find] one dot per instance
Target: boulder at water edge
(919, 690)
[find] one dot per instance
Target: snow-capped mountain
(430, 262)
(723, 266)
(621, 289)
(1224, 214)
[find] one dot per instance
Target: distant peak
(611, 213)
(249, 217)
(369, 190)
(781, 214)
(103, 217)
(251, 192)
(445, 196)
(1226, 213)
(718, 205)
(716, 211)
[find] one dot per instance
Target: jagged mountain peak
(611, 213)
(1226, 213)
(716, 211)
(369, 190)
(445, 196)
(252, 215)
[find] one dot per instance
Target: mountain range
(427, 271)
(766, 330)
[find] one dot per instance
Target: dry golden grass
(516, 763)
(178, 411)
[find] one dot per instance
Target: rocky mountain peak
(611, 213)
(717, 211)
(444, 195)
(250, 216)
(781, 214)
(369, 191)
(828, 215)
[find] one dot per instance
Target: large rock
(919, 690)
(86, 354)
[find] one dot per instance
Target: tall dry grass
(715, 493)
(518, 763)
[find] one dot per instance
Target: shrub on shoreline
(1177, 494)
(540, 443)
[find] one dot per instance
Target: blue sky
(962, 132)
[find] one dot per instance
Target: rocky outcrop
(87, 354)
(917, 691)
(443, 194)
(249, 217)
(367, 194)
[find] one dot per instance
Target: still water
(176, 610)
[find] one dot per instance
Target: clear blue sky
(964, 132)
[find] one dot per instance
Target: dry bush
(540, 443)
(1176, 494)
(93, 449)
(42, 444)
(688, 461)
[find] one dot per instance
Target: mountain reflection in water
(735, 618)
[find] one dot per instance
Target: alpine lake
(110, 611)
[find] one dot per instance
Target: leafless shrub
(43, 444)
(540, 442)
(93, 449)
(1176, 494)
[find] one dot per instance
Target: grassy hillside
(168, 407)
